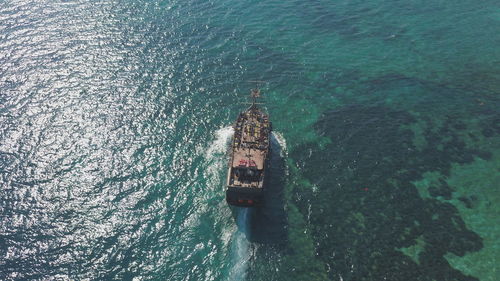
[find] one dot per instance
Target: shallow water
(115, 118)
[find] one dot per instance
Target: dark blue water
(115, 118)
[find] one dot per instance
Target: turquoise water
(115, 118)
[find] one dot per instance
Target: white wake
(240, 250)
(280, 139)
(216, 155)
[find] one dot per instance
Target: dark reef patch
(442, 189)
(366, 209)
(469, 201)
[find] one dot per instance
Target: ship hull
(246, 196)
(249, 158)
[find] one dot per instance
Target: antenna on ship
(255, 93)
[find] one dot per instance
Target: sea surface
(115, 117)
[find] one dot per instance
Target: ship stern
(244, 197)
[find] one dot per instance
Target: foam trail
(219, 146)
(215, 155)
(280, 140)
(241, 254)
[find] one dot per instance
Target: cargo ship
(249, 156)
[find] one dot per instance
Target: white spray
(240, 249)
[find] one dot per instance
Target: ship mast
(255, 93)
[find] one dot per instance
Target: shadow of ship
(267, 223)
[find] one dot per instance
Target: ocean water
(115, 118)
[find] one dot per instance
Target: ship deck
(250, 147)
